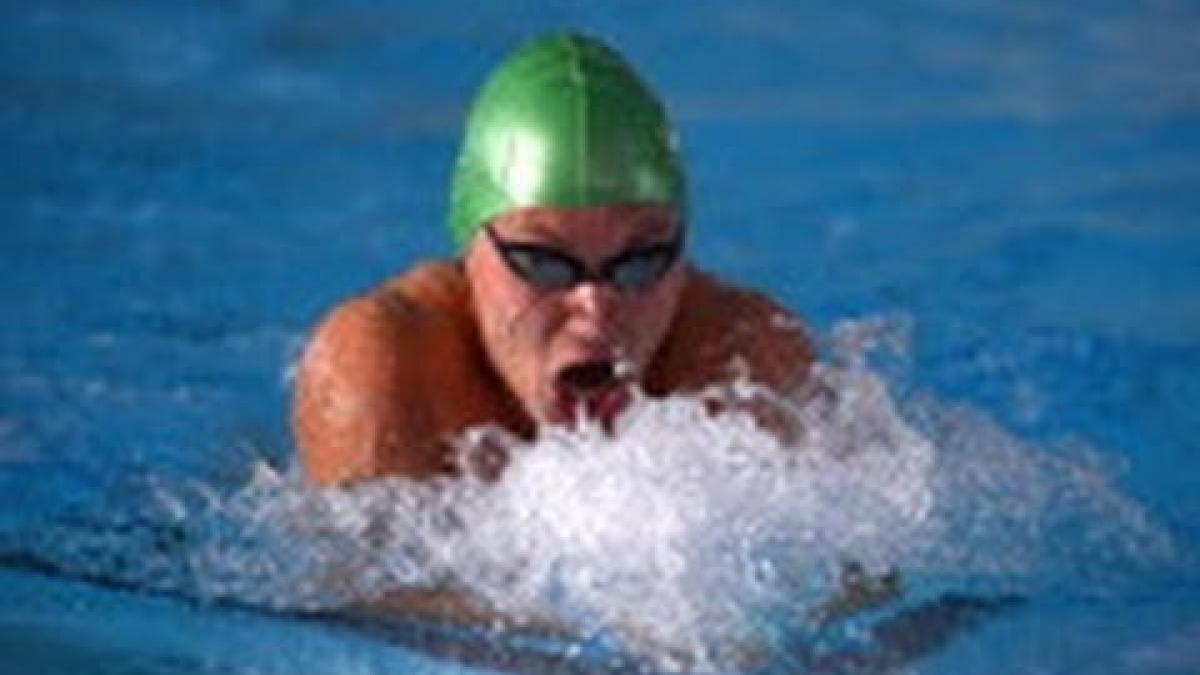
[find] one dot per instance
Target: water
(985, 210)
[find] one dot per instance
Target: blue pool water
(1004, 195)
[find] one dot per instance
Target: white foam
(676, 536)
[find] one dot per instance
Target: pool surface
(988, 211)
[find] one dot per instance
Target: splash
(697, 540)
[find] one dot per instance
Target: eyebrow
(541, 236)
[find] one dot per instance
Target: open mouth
(596, 389)
(588, 377)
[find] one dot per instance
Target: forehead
(618, 224)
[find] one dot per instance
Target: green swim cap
(564, 121)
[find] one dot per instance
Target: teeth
(622, 369)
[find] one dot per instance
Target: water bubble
(686, 537)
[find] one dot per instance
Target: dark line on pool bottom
(465, 646)
(904, 638)
(481, 647)
(907, 636)
(899, 640)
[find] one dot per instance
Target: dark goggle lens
(544, 269)
(549, 269)
(642, 269)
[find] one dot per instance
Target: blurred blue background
(187, 186)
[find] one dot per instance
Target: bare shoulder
(359, 409)
(724, 330)
(437, 285)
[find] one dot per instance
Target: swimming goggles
(548, 268)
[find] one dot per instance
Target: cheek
(515, 327)
(519, 327)
(532, 320)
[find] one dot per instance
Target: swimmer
(573, 290)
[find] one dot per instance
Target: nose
(597, 301)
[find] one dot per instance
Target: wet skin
(391, 379)
(566, 352)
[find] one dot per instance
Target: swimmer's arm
(458, 608)
(357, 412)
(858, 591)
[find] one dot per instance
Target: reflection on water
(688, 539)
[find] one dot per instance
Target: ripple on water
(686, 536)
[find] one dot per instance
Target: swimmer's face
(573, 303)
